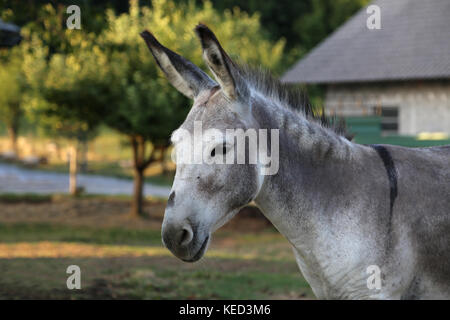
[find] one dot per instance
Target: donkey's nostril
(176, 236)
(185, 236)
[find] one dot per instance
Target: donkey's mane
(290, 96)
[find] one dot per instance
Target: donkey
(351, 212)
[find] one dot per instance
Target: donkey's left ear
(221, 65)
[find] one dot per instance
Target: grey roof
(413, 43)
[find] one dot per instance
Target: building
(400, 72)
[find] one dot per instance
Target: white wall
(423, 106)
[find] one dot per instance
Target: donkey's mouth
(199, 253)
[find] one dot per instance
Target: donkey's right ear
(218, 61)
(185, 76)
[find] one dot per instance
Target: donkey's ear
(218, 61)
(185, 76)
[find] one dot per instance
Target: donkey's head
(206, 192)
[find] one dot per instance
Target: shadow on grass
(25, 197)
(120, 263)
(151, 278)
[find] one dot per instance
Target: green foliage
(302, 23)
(70, 81)
(21, 71)
(76, 88)
(119, 81)
(112, 77)
(10, 93)
(49, 17)
(324, 17)
(144, 103)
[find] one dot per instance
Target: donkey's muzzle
(184, 242)
(174, 237)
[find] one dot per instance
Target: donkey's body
(343, 206)
(331, 199)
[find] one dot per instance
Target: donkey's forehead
(213, 112)
(204, 96)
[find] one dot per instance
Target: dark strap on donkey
(388, 162)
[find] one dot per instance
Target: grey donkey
(351, 212)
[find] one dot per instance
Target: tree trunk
(137, 202)
(139, 165)
(12, 132)
(73, 170)
(83, 155)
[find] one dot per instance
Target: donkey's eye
(222, 149)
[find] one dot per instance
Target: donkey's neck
(312, 158)
(309, 156)
(309, 200)
(301, 134)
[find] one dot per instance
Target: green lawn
(27, 197)
(120, 263)
(35, 232)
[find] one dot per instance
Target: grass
(128, 263)
(26, 197)
(159, 284)
(148, 278)
(28, 232)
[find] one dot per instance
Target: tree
(10, 101)
(302, 23)
(109, 76)
(143, 106)
(76, 94)
(21, 71)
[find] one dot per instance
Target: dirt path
(21, 180)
